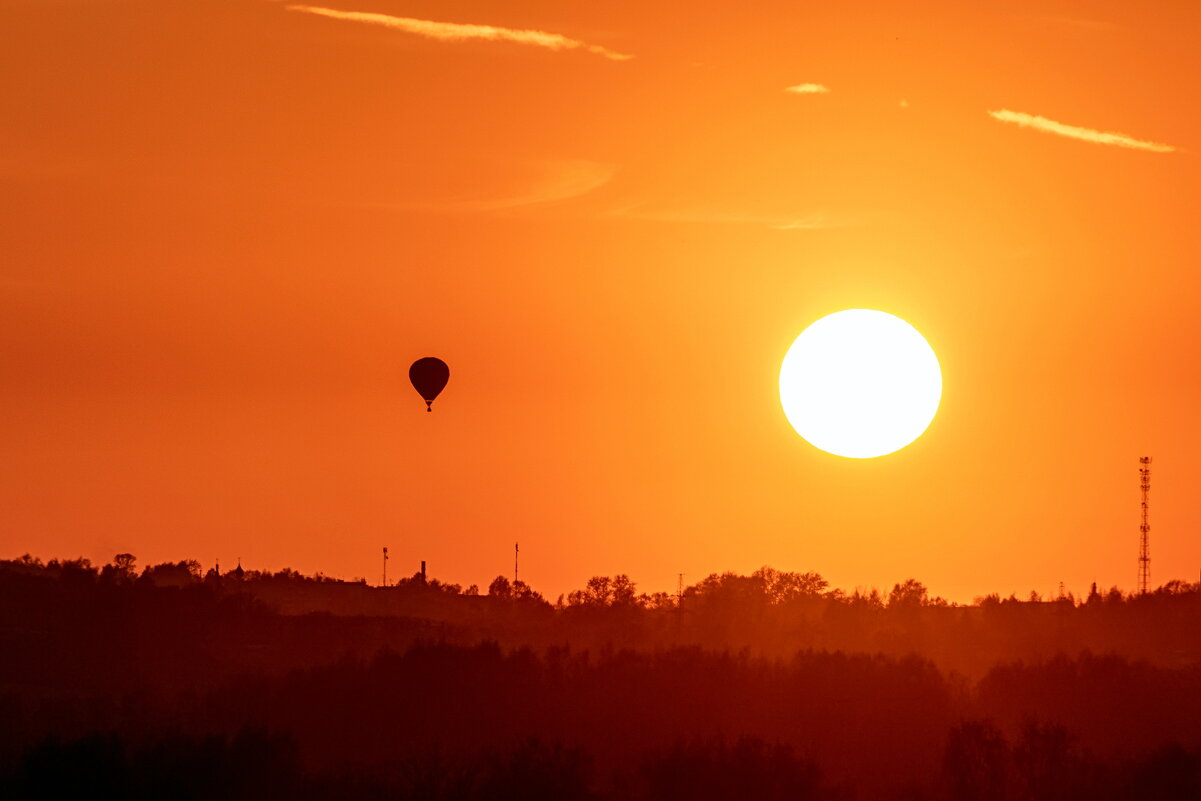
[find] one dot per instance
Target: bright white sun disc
(860, 383)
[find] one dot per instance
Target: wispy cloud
(808, 89)
(502, 188)
(1076, 23)
(558, 182)
(810, 222)
(805, 222)
(456, 32)
(1076, 132)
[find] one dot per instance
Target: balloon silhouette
(429, 376)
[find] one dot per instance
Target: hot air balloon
(429, 376)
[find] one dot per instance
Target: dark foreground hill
(164, 684)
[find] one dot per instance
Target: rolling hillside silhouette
(166, 683)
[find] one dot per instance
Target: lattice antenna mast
(516, 551)
(385, 565)
(1144, 540)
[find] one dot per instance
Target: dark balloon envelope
(429, 376)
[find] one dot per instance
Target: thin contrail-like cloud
(456, 32)
(1076, 132)
(805, 222)
(561, 181)
(808, 89)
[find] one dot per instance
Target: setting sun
(860, 383)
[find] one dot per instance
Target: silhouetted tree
(1044, 765)
(909, 594)
(524, 592)
(500, 589)
(716, 771)
(173, 574)
(976, 762)
(121, 570)
(535, 772)
(1169, 772)
(782, 587)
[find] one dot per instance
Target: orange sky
(229, 227)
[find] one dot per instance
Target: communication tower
(1144, 540)
(385, 565)
(515, 552)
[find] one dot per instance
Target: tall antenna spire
(515, 550)
(1144, 542)
(385, 565)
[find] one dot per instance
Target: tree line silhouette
(167, 682)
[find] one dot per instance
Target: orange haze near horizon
(229, 227)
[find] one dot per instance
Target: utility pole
(1144, 542)
(385, 565)
(679, 604)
